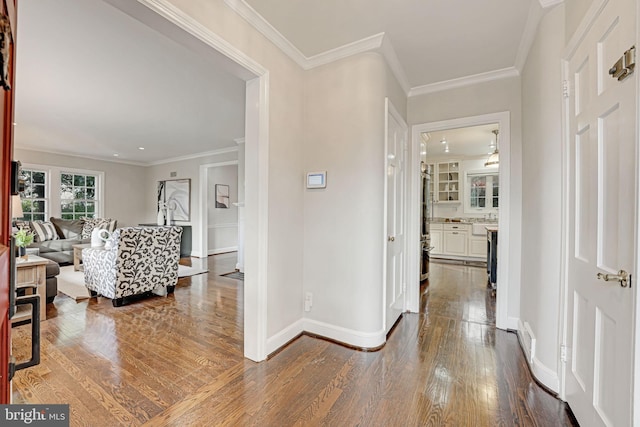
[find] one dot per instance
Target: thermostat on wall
(317, 179)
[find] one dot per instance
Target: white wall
(184, 169)
(541, 194)
(478, 99)
(125, 185)
(285, 161)
(344, 135)
(222, 222)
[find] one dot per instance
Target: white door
(601, 221)
(396, 144)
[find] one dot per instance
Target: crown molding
(194, 156)
(464, 81)
(549, 3)
(529, 35)
(382, 44)
(81, 156)
(394, 63)
(256, 20)
(132, 162)
(366, 44)
(377, 42)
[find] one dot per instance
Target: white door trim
(505, 286)
(389, 109)
(257, 164)
(204, 203)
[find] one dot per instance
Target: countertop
(492, 228)
(464, 221)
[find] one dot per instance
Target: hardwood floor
(178, 361)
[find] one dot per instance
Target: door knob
(391, 238)
(623, 277)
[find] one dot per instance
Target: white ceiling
(435, 40)
(470, 141)
(93, 81)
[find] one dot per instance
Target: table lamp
(16, 207)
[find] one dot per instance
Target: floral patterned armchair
(135, 260)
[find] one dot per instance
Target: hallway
(474, 374)
(178, 361)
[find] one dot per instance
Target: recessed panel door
(601, 221)
(396, 144)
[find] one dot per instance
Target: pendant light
(494, 158)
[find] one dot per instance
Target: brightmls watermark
(34, 415)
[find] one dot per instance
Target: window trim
(467, 191)
(47, 190)
(53, 189)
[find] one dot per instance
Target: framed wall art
(175, 196)
(222, 196)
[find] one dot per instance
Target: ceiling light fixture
(494, 158)
(116, 155)
(443, 140)
(446, 149)
(140, 148)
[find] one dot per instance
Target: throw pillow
(91, 223)
(44, 230)
(24, 225)
(68, 228)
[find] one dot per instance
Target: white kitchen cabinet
(449, 182)
(455, 239)
(435, 232)
(478, 246)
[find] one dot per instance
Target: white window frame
(47, 185)
(488, 193)
(98, 201)
(54, 174)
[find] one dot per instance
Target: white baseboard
(545, 375)
(284, 336)
(539, 370)
(223, 250)
(346, 336)
(527, 340)
(197, 254)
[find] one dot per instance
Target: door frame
(204, 203)
(256, 159)
(505, 268)
(572, 45)
(390, 110)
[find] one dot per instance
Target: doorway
(505, 271)
(183, 29)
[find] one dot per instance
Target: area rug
(186, 271)
(71, 283)
(234, 275)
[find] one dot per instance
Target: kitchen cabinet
(435, 233)
(478, 246)
(458, 240)
(449, 182)
(455, 239)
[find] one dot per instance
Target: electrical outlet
(308, 301)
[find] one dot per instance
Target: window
(35, 203)
(483, 190)
(51, 191)
(78, 195)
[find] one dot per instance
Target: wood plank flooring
(177, 361)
